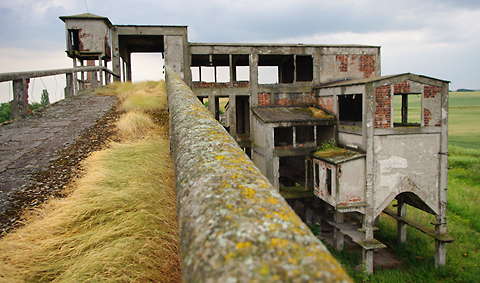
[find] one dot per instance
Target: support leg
(401, 226)
(367, 260)
(339, 237)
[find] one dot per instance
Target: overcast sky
(436, 38)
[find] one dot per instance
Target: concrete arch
(413, 196)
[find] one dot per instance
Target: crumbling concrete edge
(233, 225)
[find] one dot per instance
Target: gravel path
(40, 153)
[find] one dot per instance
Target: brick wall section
(383, 107)
(343, 60)
(283, 101)
(326, 103)
(430, 91)
(220, 85)
(427, 116)
(263, 99)
(367, 66)
(403, 87)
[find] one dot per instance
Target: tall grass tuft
(118, 223)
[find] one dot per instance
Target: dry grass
(118, 223)
(318, 113)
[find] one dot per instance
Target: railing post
(19, 105)
(70, 86)
(233, 225)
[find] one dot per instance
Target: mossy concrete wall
(233, 225)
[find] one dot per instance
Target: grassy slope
(463, 256)
(118, 224)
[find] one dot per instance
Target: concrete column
(401, 226)
(367, 259)
(211, 102)
(309, 216)
(339, 237)
(82, 77)
(101, 72)
(128, 67)
(253, 80)
(70, 85)
(19, 105)
(116, 55)
(440, 253)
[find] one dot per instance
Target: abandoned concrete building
(320, 93)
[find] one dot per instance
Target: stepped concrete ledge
(29, 144)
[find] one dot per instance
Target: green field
(463, 212)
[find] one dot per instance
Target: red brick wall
(220, 85)
(263, 99)
(383, 107)
(430, 91)
(283, 101)
(403, 87)
(343, 60)
(367, 66)
(326, 103)
(294, 99)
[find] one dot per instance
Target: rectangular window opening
(328, 181)
(74, 39)
(317, 175)
(305, 134)
(350, 108)
(283, 136)
(304, 68)
(407, 109)
(292, 171)
(243, 114)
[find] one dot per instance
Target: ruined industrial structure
(321, 93)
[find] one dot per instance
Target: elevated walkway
(28, 145)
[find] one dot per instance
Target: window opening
(305, 134)
(241, 67)
(154, 72)
(283, 136)
(350, 109)
(74, 39)
(317, 174)
(267, 75)
(292, 171)
(243, 114)
(304, 68)
(328, 181)
(242, 73)
(407, 109)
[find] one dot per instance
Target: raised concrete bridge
(232, 222)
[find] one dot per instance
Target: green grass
(463, 211)
(118, 222)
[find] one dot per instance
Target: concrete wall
(94, 35)
(406, 163)
(233, 225)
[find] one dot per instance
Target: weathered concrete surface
(28, 145)
(233, 225)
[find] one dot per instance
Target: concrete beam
(233, 225)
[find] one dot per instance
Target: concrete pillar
(129, 67)
(82, 77)
(19, 105)
(309, 216)
(212, 102)
(339, 237)
(440, 253)
(70, 85)
(367, 259)
(401, 226)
